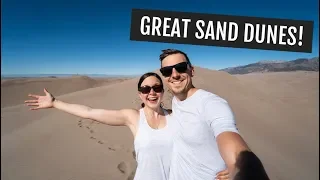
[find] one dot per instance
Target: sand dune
(18, 87)
(277, 114)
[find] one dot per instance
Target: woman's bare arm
(110, 117)
(124, 117)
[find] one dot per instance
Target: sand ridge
(58, 86)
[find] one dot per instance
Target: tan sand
(18, 87)
(277, 114)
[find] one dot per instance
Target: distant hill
(302, 64)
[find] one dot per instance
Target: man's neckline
(188, 98)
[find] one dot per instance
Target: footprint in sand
(117, 147)
(134, 154)
(123, 167)
(80, 123)
(94, 138)
(131, 176)
(133, 168)
(91, 131)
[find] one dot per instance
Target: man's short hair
(167, 52)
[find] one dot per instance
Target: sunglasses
(180, 67)
(147, 89)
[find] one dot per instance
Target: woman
(152, 126)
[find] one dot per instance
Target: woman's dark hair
(146, 75)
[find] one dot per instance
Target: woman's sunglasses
(147, 89)
(180, 67)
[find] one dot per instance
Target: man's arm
(242, 163)
(250, 167)
(232, 146)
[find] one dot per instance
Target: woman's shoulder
(131, 113)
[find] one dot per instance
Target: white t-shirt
(200, 119)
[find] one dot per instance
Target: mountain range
(301, 64)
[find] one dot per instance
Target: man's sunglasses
(147, 89)
(180, 67)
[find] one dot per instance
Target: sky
(93, 37)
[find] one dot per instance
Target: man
(208, 140)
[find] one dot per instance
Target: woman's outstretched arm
(122, 117)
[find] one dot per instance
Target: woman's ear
(192, 71)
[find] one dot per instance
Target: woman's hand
(41, 102)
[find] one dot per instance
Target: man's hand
(230, 145)
(250, 167)
(241, 162)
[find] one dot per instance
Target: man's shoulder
(213, 104)
(207, 96)
(216, 106)
(200, 98)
